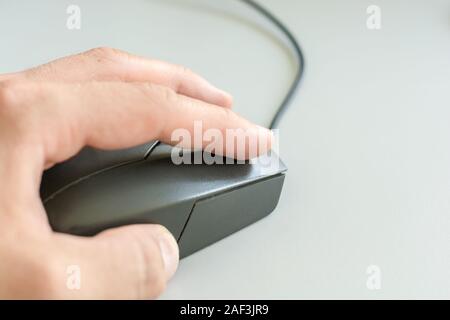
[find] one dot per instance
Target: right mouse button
(218, 216)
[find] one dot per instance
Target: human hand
(107, 99)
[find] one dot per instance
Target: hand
(106, 99)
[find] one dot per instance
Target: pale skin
(107, 99)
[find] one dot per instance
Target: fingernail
(266, 136)
(228, 99)
(169, 252)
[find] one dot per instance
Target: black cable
(298, 53)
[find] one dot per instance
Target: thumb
(123, 263)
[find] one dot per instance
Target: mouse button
(267, 164)
(162, 151)
(137, 193)
(87, 162)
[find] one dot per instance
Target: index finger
(114, 115)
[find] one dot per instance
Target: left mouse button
(87, 162)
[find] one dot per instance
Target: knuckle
(163, 95)
(17, 94)
(18, 101)
(184, 70)
(180, 76)
(105, 53)
(169, 95)
(8, 94)
(227, 114)
(12, 115)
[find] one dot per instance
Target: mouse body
(198, 203)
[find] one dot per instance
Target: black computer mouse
(199, 203)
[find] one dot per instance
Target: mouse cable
(299, 57)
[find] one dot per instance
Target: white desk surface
(367, 140)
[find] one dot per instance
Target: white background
(367, 140)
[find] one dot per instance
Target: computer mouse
(198, 203)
